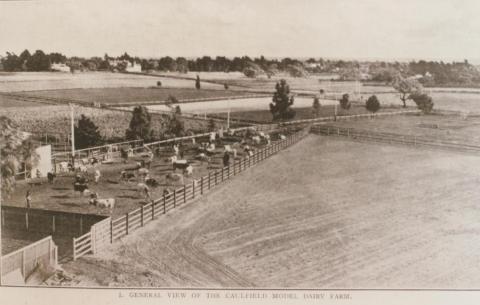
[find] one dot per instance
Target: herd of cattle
(88, 170)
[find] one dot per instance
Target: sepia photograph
(240, 151)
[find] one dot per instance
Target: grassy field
(265, 116)
(324, 213)
(451, 128)
(29, 81)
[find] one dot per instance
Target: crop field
(131, 95)
(29, 81)
(60, 196)
(42, 118)
(324, 213)
(450, 128)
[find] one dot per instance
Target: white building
(60, 67)
(133, 67)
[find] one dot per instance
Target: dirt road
(324, 213)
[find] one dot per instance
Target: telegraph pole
(72, 137)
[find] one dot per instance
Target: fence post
(164, 204)
(234, 171)
(126, 223)
(201, 185)
(23, 264)
(153, 210)
(53, 223)
(26, 220)
(209, 178)
(111, 231)
(184, 194)
(193, 189)
(174, 198)
(216, 173)
(141, 215)
(222, 172)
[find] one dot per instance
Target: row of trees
(38, 61)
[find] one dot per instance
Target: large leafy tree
(372, 104)
(345, 101)
(407, 87)
(424, 102)
(140, 125)
(316, 107)
(86, 134)
(281, 102)
(15, 149)
(39, 61)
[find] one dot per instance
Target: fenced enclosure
(43, 253)
(392, 138)
(109, 230)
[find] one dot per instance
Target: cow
(282, 137)
(103, 203)
(151, 181)
(63, 167)
(181, 164)
(256, 139)
(80, 187)
(202, 157)
(188, 171)
(97, 175)
(127, 176)
(143, 189)
(51, 176)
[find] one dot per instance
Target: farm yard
(339, 220)
(60, 195)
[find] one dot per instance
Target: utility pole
(72, 125)
(228, 119)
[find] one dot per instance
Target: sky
(360, 29)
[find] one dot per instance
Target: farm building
(133, 67)
(59, 67)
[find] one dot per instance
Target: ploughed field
(436, 127)
(324, 213)
(131, 94)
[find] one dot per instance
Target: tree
(406, 87)
(140, 127)
(316, 107)
(424, 102)
(16, 149)
(345, 102)
(211, 125)
(175, 125)
(12, 63)
(281, 102)
(86, 134)
(38, 62)
(197, 83)
(372, 104)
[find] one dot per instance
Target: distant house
(133, 67)
(59, 67)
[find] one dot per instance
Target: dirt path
(324, 213)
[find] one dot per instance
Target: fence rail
(41, 253)
(393, 138)
(115, 229)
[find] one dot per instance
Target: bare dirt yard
(323, 213)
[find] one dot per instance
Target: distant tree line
(428, 73)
